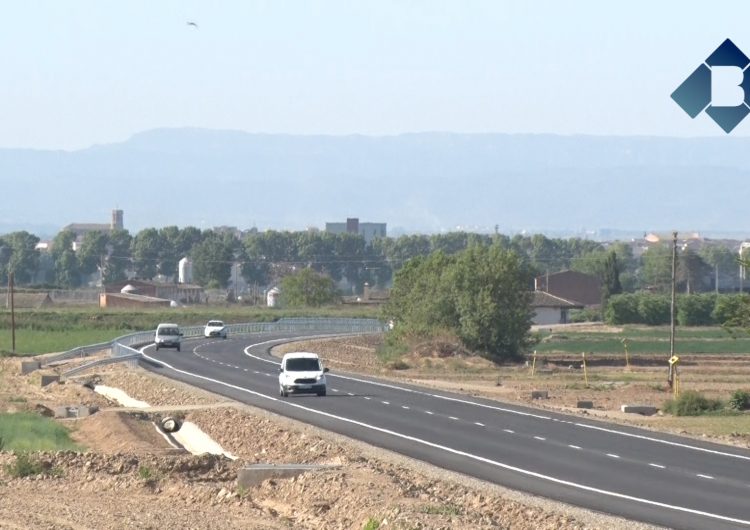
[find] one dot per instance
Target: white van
(167, 336)
(302, 373)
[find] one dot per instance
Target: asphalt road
(656, 478)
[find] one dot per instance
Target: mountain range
(426, 182)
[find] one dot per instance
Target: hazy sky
(80, 72)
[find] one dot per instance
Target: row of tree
(267, 257)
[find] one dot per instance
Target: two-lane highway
(652, 477)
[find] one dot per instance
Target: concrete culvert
(170, 424)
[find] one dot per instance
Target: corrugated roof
(542, 299)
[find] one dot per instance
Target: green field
(62, 329)
(31, 432)
(644, 340)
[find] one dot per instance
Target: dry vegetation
(130, 477)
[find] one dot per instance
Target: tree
(493, 301)
(723, 261)
(657, 267)
(64, 257)
(481, 294)
(169, 255)
(692, 271)
(146, 248)
(308, 288)
(93, 253)
(610, 276)
(212, 262)
(119, 256)
(23, 258)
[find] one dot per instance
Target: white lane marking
(574, 446)
(667, 442)
(511, 411)
(659, 466)
(509, 431)
(429, 412)
(480, 424)
(452, 418)
(385, 402)
(539, 438)
(368, 398)
(349, 394)
(335, 389)
(458, 452)
(404, 407)
(705, 476)
(246, 369)
(613, 455)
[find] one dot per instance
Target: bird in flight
(190, 23)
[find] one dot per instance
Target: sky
(84, 72)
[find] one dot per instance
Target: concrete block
(84, 410)
(29, 366)
(62, 412)
(539, 394)
(48, 379)
(257, 473)
(585, 405)
(644, 410)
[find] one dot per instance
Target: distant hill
(424, 181)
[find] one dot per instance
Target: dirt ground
(129, 477)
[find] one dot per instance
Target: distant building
(573, 286)
(352, 226)
(550, 309)
(183, 293)
(81, 229)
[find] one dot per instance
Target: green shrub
(740, 400)
(24, 466)
(696, 309)
(653, 309)
(730, 309)
(585, 315)
(692, 403)
(371, 524)
(622, 309)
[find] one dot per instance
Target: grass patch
(692, 403)
(24, 466)
(446, 509)
(30, 432)
(371, 524)
(643, 340)
(149, 475)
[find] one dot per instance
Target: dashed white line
(480, 424)
(452, 418)
(509, 431)
(658, 466)
(428, 412)
(385, 402)
(574, 446)
(368, 398)
(404, 407)
(540, 438)
(454, 451)
(349, 394)
(705, 476)
(613, 455)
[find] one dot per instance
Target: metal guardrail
(134, 357)
(121, 349)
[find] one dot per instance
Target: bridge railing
(124, 348)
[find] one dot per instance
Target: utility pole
(12, 313)
(670, 378)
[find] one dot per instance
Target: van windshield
(303, 364)
(169, 331)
